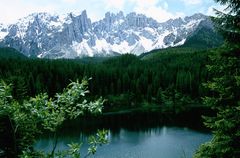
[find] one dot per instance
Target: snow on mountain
(70, 36)
(3, 31)
(3, 34)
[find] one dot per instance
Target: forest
(39, 95)
(124, 81)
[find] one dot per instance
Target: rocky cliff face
(54, 36)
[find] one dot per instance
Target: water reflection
(158, 142)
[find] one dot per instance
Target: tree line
(126, 79)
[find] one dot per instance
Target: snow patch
(192, 23)
(82, 48)
(159, 43)
(101, 45)
(151, 30)
(146, 43)
(119, 22)
(55, 24)
(122, 48)
(180, 43)
(3, 35)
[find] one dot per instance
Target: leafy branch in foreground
(32, 117)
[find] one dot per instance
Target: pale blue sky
(161, 10)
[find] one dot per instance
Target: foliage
(127, 74)
(227, 22)
(204, 37)
(95, 141)
(173, 101)
(11, 53)
(225, 89)
(121, 101)
(225, 101)
(30, 118)
(73, 148)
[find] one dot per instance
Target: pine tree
(228, 22)
(225, 88)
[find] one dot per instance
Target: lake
(154, 142)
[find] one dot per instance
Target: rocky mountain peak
(54, 36)
(197, 16)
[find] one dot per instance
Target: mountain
(204, 37)
(3, 31)
(52, 36)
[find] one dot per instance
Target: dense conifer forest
(125, 80)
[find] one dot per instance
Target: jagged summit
(70, 36)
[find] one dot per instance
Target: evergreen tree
(228, 22)
(225, 87)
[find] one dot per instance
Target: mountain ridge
(52, 36)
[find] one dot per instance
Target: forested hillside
(125, 80)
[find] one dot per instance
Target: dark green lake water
(154, 142)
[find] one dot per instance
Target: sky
(160, 10)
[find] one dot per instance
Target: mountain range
(53, 36)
